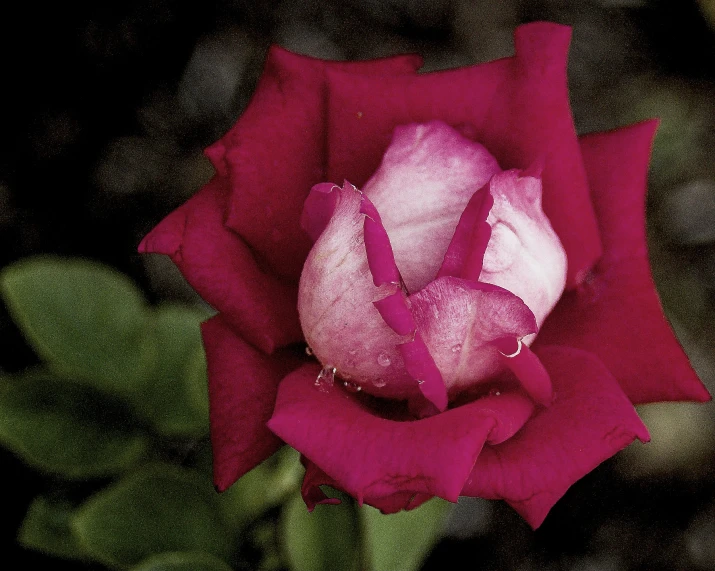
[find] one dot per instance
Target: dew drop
(494, 392)
(420, 381)
(308, 351)
(325, 379)
(352, 387)
(379, 383)
(383, 360)
(456, 348)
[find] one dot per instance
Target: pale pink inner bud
(427, 177)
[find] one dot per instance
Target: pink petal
(527, 368)
(275, 153)
(459, 319)
(616, 313)
(371, 457)
(589, 421)
(335, 303)
(426, 178)
(242, 390)
(223, 270)
(517, 108)
(523, 255)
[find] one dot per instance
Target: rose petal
(242, 390)
(371, 457)
(275, 153)
(616, 313)
(458, 319)
(318, 209)
(335, 303)
(222, 269)
(426, 178)
(313, 495)
(590, 420)
(517, 107)
(523, 243)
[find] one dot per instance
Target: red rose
(421, 294)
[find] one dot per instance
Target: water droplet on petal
(325, 379)
(420, 381)
(384, 359)
(308, 351)
(494, 392)
(379, 383)
(456, 348)
(352, 387)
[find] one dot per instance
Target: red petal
(275, 153)
(518, 108)
(242, 391)
(371, 457)
(313, 495)
(616, 313)
(589, 421)
(222, 269)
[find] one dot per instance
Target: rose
(605, 345)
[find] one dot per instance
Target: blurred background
(107, 109)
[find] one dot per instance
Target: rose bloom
(468, 311)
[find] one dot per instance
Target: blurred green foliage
(120, 402)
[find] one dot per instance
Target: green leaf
(267, 485)
(182, 561)
(176, 399)
(67, 429)
(324, 540)
(46, 529)
(159, 509)
(83, 319)
(401, 541)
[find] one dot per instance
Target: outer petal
(458, 321)
(276, 152)
(516, 107)
(312, 494)
(222, 269)
(590, 420)
(616, 313)
(372, 457)
(242, 390)
(423, 185)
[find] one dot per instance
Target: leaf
(182, 561)
(401, 541)
(176, 399)
(83, 319)
(267, 485)
(324, 540)
(159, 509)
(67, 429)
(46, 529)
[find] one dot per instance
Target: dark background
(104, 114)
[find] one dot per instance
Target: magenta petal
(242, 389)
(371, 457)
(465, 254)
(223, 270)
(616, 313)
(378, 248)
(318, 209)
(518, 108)
(275, 152)
(421, 367)
(527, 367)
(589, 421)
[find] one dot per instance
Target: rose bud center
(435, 277)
